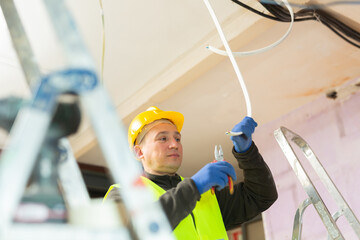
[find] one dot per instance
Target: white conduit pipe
(230, 54)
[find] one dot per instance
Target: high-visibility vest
(207, 223)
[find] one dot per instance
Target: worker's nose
(174, 144)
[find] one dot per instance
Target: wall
(332, 129)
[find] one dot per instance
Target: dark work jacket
(251, 197)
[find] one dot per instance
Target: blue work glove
(243, 142)
(213, 174)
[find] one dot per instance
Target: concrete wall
(332, 129)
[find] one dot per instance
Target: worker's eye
(178, 139)
(162, 139)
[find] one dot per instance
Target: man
(193, 211)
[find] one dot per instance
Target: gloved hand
(243, 142)
(213, 174)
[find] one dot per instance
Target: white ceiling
(155, 55)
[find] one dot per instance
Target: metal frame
(69, 173)
(283, 136)
(31, 125)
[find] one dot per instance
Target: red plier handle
(231, 186)
(219, 156)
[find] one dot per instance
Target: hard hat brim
(147, 117)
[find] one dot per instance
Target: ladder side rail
(71, 180)
(21, 43)
(336, 216)
(17, 161)
(327, 181)
(76, 53)
(307, 184)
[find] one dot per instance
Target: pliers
(219, 156)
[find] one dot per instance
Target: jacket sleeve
(251, 197)
(177, 202)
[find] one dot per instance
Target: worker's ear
(138, 152)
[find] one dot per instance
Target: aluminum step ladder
(29, 130)
(69, 172)
(284, 136)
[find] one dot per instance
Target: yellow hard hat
(150, 115)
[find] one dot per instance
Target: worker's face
(161, 150)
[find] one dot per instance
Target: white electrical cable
(232, 59)
(230, 54)
(253, 52)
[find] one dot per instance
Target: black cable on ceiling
(308, 12)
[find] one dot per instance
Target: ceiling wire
(310, 12)
(317, 5)
(102, 42)
(261, 50)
